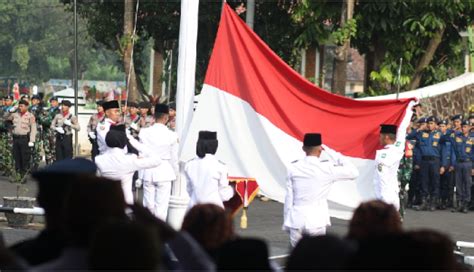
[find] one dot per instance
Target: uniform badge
(458, 140)
(435, 143)
(437, 136)
(102, 127)
(384, 155)
(379, 167)
(397, 144)
(425, 135)
(468, 149)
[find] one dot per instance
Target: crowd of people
(437, 166)
(101, 226)
(89, 226)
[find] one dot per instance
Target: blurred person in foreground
(54, 183)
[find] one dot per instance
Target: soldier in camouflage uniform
(48, 134)
(36, 109)
(404, 175)
(91, 129)
(6, 140)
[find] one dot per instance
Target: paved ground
(265, 219)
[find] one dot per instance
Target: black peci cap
(457, 117)
(388, 129)
(312, 139)
(110, 105)
(207, 135)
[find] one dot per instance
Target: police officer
(24, 134)
(49, 136)
(146, 119)
(457, 119)
(94, 120)
(463, 143)
(64, 123)
(446, 180)
(162, 142)
(430, 149)
(414, 193)
(308, 184)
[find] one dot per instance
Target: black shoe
(465, 207)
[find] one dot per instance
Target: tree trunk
(128, 25)
(157, 72)
(339, 77)
(249, 18)
(373, 61)
(426, 58)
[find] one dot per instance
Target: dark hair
(374, 218)
(159, 115)
(210, 225)
(204, 147)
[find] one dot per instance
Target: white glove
(30, 144)
(134, 126)
(59, 130)
(13, 109)
(92, 135)
(138, 183)
(67, 122)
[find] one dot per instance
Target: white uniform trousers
(127, 191)
(297, 234)
(156, 197)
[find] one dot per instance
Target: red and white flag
(261, 109)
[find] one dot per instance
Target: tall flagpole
(74, 79)
(184, 100)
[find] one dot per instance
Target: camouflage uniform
(48, 134)
(404, 175)
(37, 111)
(6, 142)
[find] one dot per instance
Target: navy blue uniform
(446, 179)
(464, 156)
(430, 163)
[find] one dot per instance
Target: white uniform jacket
(117, 165)
(308, 185)
(387, 161)
(163, 143)
(206, 181)
(101, 130)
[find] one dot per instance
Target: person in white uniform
(112, 117)
(117, 165)
(206, 176)
(309, 182)
(387, 161)
(159, 140)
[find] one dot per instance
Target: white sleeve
(225, 190)
(343, 168)
(289, 196)
(189, 184)
(101, 139)
(145, 163)
(174, 153)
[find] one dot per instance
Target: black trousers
(446, 186)
(429, 172)
(63, 147)
(414, 193)
(21, 152)
(95, 149)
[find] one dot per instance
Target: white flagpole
(184, 100)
